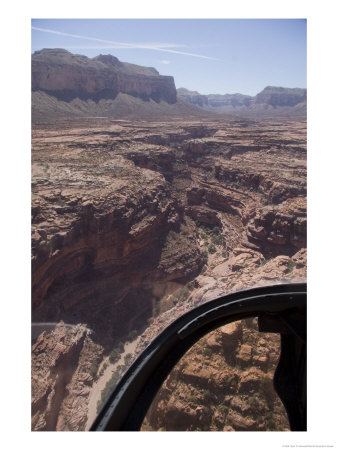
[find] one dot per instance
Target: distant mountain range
(271, 100)
(70, 85)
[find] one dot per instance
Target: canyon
(136, 222)
(146, 204)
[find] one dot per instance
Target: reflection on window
(223, 383)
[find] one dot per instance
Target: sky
(211, 56)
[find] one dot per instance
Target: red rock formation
(278, 228)
(64, 365)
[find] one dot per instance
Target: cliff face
(66, 76)
(193, 97)
(93, 251)
(278, 96)
(64, 365)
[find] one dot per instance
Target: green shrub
(128, 358)
(108, 388)
(207, 352)
(267, 388)
(291, 266)
(193, 399)
(223, 409)
(132, 336)
(115, 354)
(206, 410)
(233, 383)
(253, 402)
(94, 368)
(215, 231)
(212, 248)
(207, 396)
(190, 285)
(203, 235)
(270, 421)
(217, 239)
(120, 347)
(103, 368)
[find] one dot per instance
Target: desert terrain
(136, 222)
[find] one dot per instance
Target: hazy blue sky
(208, 55)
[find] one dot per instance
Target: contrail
(155, 47)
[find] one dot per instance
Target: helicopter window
(223, 383)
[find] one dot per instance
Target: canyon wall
(66, 76)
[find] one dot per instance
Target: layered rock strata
(66, 76)
(64, 365)
(95, 246)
